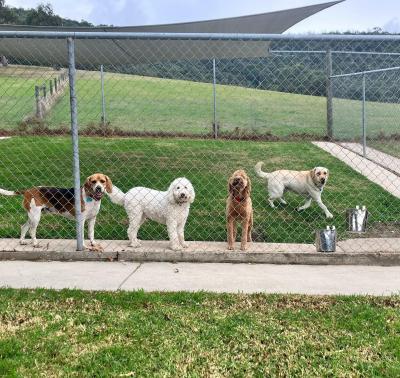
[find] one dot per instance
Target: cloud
(392, 26)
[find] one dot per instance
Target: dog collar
(88, 199)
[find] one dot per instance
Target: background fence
(154, 107)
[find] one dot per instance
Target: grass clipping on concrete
(74, 333)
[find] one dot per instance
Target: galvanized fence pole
(37, 101)
(75, 143)
(215, 125)
(103, 101)
(329, 96)
(364, 120)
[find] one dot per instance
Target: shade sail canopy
(117, 51)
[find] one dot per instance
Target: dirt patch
(34, 126)
(380, 230)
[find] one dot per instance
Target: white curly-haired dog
(170, 207)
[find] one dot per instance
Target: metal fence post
(37, 100)
(215, 125)
(103, 101)
(75, 143)
(364, 121)
(329, 95)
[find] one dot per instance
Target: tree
(43, 15)
(7, 15)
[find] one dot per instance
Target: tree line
(42, 15)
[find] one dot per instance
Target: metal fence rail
(147, 108)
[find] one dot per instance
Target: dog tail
(259, 172)
(117, 196)
(10, 193)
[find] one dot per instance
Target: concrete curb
(58, 256)
(294, 258)
(349, 252)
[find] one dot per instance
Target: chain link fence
(151, 108)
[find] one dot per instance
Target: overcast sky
(351, 15)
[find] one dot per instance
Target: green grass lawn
(135, 103)
(150, 162)
(153, 104)
(381, 119)
(17, 92)
(96, 334)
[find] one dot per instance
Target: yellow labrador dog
(309, 183)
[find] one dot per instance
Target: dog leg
(134, 224)
(24, 230)
(306, 205)
(231, 228)
(173, 235)
(245, 231)
(181, 235)
(271, 202)
(328, 214)
(250, 226)
(34, 219)
(93, 246)
(282, 201)
(317, 198)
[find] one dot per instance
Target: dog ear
(247, 189)
(88, 185)
(230, 186)
(192, 193)
(312, 173)
(109, 185)
(170, 191)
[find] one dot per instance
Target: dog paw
(23, 242)
(230, 247)
(37, 245)
(185, 245)
(135, 244)
(243, 247)
(94, 247)
(176, 247)
(329, 216)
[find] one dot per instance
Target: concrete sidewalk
(372, 171)
(381, 158)
(232, 278)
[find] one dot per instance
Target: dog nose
(98, 189)
(236, 181)
(183, 195)
(323, 181)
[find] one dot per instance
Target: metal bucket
(357, 219)
(325, 240)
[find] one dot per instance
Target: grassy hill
(137, 103)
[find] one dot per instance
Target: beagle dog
(52, 200)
